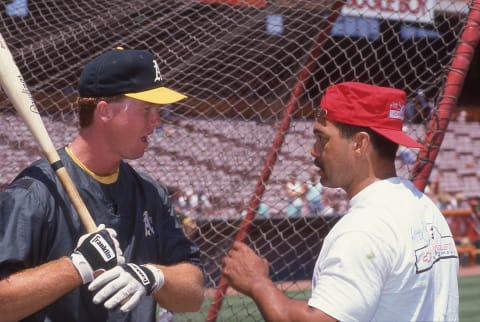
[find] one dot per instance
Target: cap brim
(398, 137)
(160, 95)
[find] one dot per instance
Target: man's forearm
(275, 306)
(29, 291)
(183, 290)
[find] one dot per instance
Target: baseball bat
(18, 93)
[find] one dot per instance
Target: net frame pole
(275, 148)
(439, 120)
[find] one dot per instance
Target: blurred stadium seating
(223, 157)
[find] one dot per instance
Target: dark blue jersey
(39, 224)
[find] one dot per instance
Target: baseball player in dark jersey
(50, 269)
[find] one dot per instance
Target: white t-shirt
(390, 258)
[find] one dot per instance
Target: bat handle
(72, 192)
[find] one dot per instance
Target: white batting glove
(126, 285)
(97, 252)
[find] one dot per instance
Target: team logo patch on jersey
(438, 247)
(147, 221)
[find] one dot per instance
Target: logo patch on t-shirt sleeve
(439, 247)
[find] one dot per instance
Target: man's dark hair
(385, 148)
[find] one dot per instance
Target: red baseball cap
(380, 108)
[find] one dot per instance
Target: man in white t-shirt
(392, 256)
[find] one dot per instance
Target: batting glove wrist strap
(83, 267)
(149, 276)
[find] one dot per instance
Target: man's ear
(104, 111)
(361, 141)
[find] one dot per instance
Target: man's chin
(135, 155)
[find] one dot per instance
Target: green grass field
(241, 308)
(469, 289)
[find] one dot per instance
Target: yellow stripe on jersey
(102, 179)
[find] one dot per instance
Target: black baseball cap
(133, 73)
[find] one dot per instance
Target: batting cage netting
(253, 70)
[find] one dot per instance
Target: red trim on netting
(273, 152)
(455, 78)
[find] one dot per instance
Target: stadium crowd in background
(445, 200)
(335, 202)
(392, 256)
(295, 191)
(311, 198)
(313, 193)
(418, 109)
(189, 206)
(139, 258)
(465, 228)
(194, 203)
